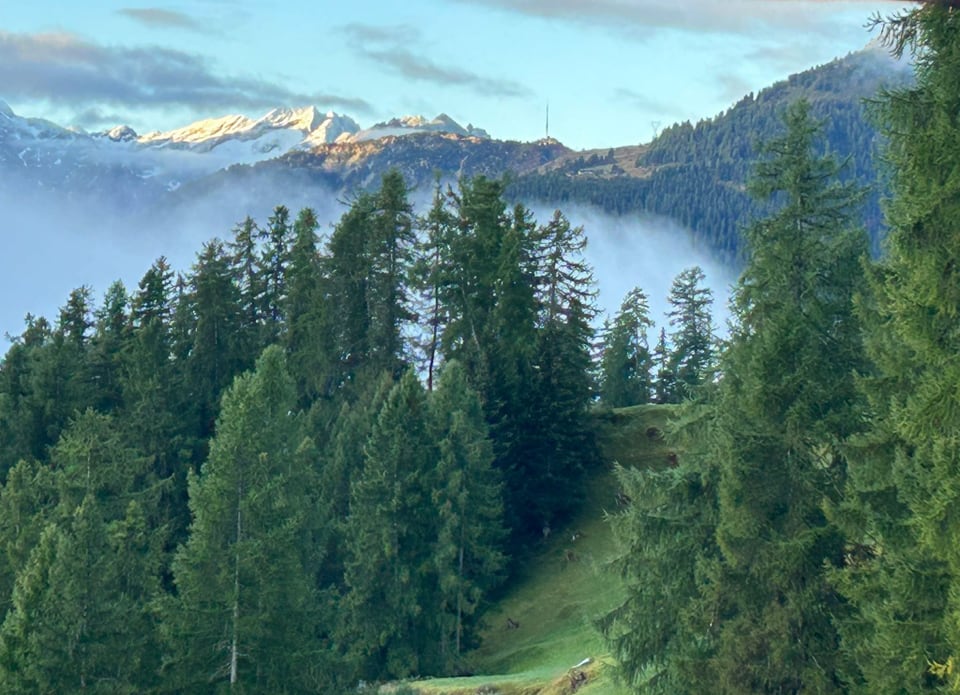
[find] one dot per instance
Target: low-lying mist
(54, 246)
(646, 252)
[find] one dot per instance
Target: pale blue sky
(610, 69)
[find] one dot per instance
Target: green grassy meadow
(565, 584)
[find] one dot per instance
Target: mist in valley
(54, 245)
(646, 252)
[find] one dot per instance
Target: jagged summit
(5, 109)
(278, 131)
(202, 131)
(413, 124)
(121, 133)
(308, 118)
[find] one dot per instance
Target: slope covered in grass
(538, 633)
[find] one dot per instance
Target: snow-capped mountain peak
(279, 131)
(122, 133)
(409, 125)
(202, 131)
(160, 162)
(305, 119)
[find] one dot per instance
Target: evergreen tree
(626, 362)
(391, 259)
(478, 259)
(307, 340)
(752, 609)
(902, 502)
(26, 502)
(664, 632)
(562, 438)
(107, 346)
(664, 382)
(786, 404)
(22, 423)
(245, 606)
(692, 338)
(81, 608)
(274, 259)
(433, 273)
(389, 619)
(245, 270)
(467, 495)
(149, 378)
(214, 357)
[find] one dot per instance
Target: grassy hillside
(541, 629)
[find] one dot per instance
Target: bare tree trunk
(460, 596)
(435, 320)
(236, 595)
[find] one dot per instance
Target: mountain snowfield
(118, 163)
(222, 141)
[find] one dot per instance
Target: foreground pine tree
(903, 508)
(467, 494)
(245, 613)
(785, 405)
(751, 609)
(626, 363)
(389, 614)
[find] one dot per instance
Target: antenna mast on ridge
(548, 120)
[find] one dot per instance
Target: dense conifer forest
(806, 539)
(305, 461)
(311, 459)
(696, 173)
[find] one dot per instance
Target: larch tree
(467, 492)
(626, 361)
(245, 605)
(692, 337)
(903, 507)
(785, 406)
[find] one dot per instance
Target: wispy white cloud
(739, 17)
(388, 46)
(643, 101)
(65, 70)
(158, 18)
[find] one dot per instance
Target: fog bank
(54, 246)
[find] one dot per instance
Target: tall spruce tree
(432, 273)
(692, 338)
(107, 346)
(626, 362)
(213, 335)
(468, 496)
(902, 508)
(245, 608)
(307, 342)
(786, 404)
(272, 267)
(391, 256)
(389, 612)
(756, 612)
(560, 445)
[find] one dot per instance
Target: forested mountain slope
(697, 173)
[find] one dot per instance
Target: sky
(612, 71)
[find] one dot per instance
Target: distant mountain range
(694, 174)
(35, 153)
